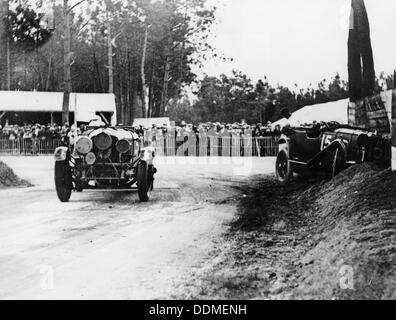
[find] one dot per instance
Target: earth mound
(311, 239)
(9, 179)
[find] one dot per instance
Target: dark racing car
(104, 158)
(327, 149)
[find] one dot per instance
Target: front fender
(328, 151)
(283, 144)
(336, 144)
(61, 154)
(147, 155)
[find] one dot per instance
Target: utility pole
(67, 85)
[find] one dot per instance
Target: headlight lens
(103, 141)
(123, 146)
(83, 145)
(90, 158)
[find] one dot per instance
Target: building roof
(33, 101)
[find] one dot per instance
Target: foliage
(177, 38)
(25, 28)
(231, 99)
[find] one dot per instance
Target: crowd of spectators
(28, 137)
(55, 131)
(212, 129)
(32, 131)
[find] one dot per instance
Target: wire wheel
(63, 180)
(145, 181)
(283, 171)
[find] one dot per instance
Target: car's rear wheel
(283, 170)
(339, 162)
(145, 181)
(63, 180)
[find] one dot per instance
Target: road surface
(107, 245)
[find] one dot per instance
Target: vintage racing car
(328, 148)
(104, 158)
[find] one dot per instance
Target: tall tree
(67, 82)
(5, 63)
(26, 34)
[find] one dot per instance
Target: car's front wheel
(145, 180)
(63, 180)
(283, 170)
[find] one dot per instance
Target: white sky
(297, 41)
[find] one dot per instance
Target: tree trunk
(121, 99)
(164, 95)
(49, 76)
(110, 56)
(4, 71)
(66, 63)
(165, 87)
(8, 60)
(143, 76)
(151, 92)
(129, 106)
(25, 69)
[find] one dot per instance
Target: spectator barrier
(213, 146)
(166, 146)
(27, 147)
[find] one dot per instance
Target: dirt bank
(9, 179)
(305, 240)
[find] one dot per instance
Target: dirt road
(107, 245)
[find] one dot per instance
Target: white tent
(326, 112)
(149, 122)
(84, 104)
